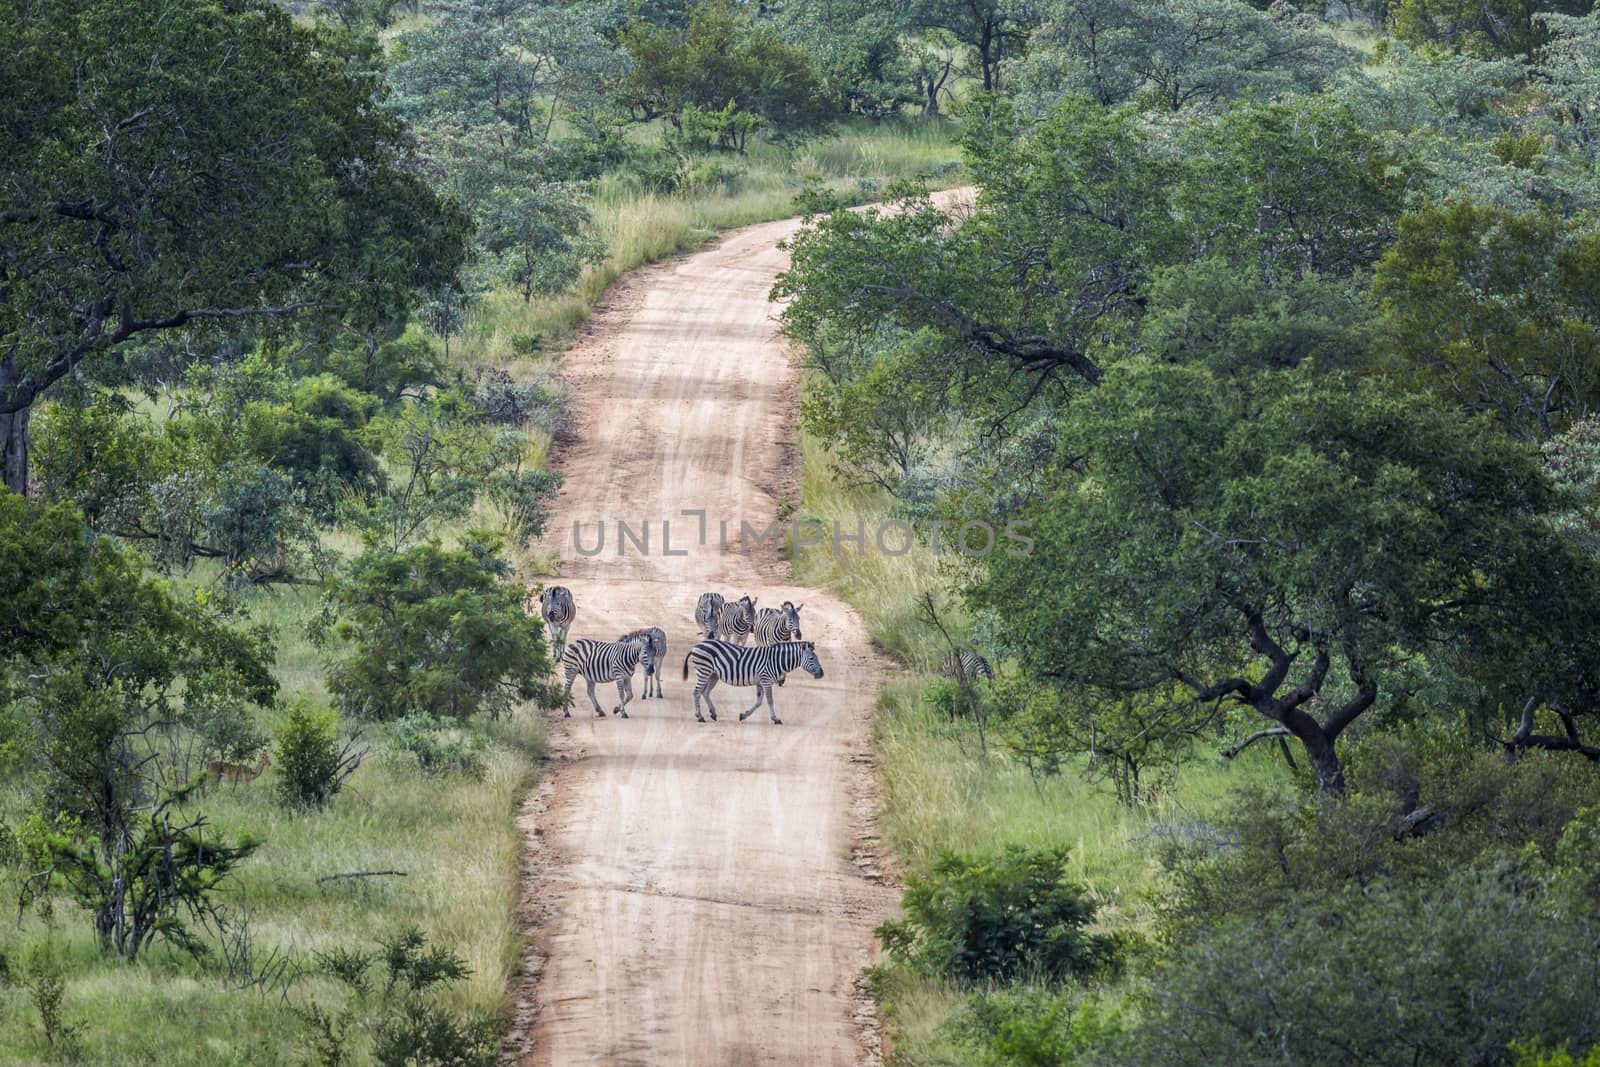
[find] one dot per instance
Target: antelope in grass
(238, 772)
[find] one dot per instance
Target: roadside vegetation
(1275, 329)
(276, 410)
(1278, 349)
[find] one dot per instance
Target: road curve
(697, 894)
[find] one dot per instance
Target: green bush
(1029, 1026)
(308, 757)
(436, 630)
(1421, 805)
(431, 1036)
(393, 998)
(1434, 975)
(437, 745)
(998, 918)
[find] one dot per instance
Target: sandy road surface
(699, 894)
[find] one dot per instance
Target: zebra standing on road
(557, 610)
(965, 665)
(606, 661)
(778, 624)
(706, 613)
(737, 620)
(657, 637)
(718, 661)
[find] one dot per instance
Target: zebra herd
(721, 657)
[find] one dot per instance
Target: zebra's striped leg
(767, 689)
(566, 712)
(697, 716)
(711, 683)
(745, 714)
(599, 712)
(624, 694)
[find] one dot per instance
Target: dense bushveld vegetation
(282, 292)
(1275, 326)
(1276, 332)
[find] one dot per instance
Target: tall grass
(455, 837)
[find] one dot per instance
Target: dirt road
(700, 894)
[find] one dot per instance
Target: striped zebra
(606, 661)
(557, 610)
(658, 655)
(706, 613)
(737, 621)
(719, 661)
(965, 665)
(778, 624)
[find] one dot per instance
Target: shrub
(431, 1036)
(1438, 974)
(409, 1027)
(998, 918)
(437, 745)
(312, 766)
(435, 630)
(47, 989)
(1029, 1026)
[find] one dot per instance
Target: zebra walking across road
(607, 661)
(557, 610)
(778, 624)
(737, 620)
(965, 665)
(719, 661)
(657, 638)
(706, 613)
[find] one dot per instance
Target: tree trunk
(1324, 760)
(13, 434)
(985, 50)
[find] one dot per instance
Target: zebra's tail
(686, 664)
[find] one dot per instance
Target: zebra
(707, 612)
(719, 661)
(965, 665)
(778, 624)
(737, 620)
(658, 655)
(606, 661)
(557, 610)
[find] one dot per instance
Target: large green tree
(1178, 54)
(1078, 214)
(1295, 544)
(168, 165)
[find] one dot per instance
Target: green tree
(1048, 278)
(1176, 55)
(192, 167)
(722, 60)
(861, 51)
(1496, 311)
(434, 630)
(1291, 546)
(98, 659)
(994, 30)
(1484, 27)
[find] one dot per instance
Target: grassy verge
(942, 792)
(640, 226)
(455, 837)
